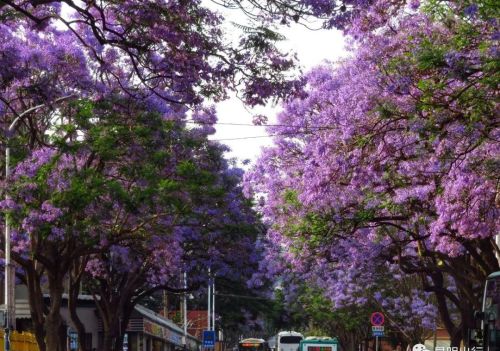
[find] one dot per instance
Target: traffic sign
(377, 333)
(377, 328)
(209, 339)
(377, 318)
(73, 340)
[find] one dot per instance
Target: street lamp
(10, 307)
(213, 303)
(184, 312)
(209, 302)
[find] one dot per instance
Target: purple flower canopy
(385, 166)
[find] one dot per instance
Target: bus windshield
(251, 345)
(290, 339)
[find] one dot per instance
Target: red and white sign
(377, 319)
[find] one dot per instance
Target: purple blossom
(471, 10)
(30, 167)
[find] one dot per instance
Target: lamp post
(209, 303)
(10, 307)
(9, 286)
(184, 312)
(213, 303)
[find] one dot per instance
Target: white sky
(312, 48)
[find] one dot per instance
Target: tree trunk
(53, 326)
(74, 291)
(118, 345)
(54, 321)
(456, 338)
(80, 327)
(37, 305)
(353, 343)
(107, 343)
(443, 309)
(109, 321)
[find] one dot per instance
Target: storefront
(149, 331)
(146, 330)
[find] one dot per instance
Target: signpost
(377, 320)
(125, 342)
(209, 339)
(73, 340)
(377, 330)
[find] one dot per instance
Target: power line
(263, 136)
(244, 138)
(309, 129)
(256, 125)
(236, 124)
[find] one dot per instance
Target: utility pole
(184, 312)
(10, 306)
(209, 302)
(213, 303)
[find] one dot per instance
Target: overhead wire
(310, 129)
(255, 137)
(297, 133)
(253, 125)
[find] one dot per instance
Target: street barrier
(20, 341)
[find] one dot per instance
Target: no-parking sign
(377, 318)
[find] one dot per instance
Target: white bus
(488, 336)
(288, 341)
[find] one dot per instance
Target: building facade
(146, 330)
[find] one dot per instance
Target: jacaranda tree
(393, 155)
(171, 49)
(121, 201)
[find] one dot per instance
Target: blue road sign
(377, 333)
(209, 338)
(73, 340)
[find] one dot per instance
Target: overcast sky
(312, 48)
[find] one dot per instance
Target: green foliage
(313, 313)
(265, 32)
(260, 38)
(437, 9)
(290, 197)
(186, 169)
(283, 316)
(430, 55)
